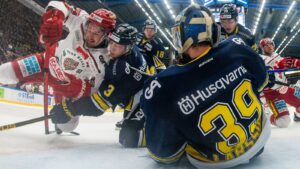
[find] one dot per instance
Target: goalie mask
(194, 25)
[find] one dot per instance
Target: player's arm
(95, 105)
(72, 16)
(253, 43)
(287, 62)
(165, 144)
(250, 37)
(65, 8)
(159, 55)
(56, 16)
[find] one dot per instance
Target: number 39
(231, 127)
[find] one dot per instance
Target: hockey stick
(283, 70)
(23, 123)
(46, 81)
(281, 83)
(139, 71)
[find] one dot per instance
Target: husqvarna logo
(186, 105)
(149, 90)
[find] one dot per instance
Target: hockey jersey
(123, 79)
(243, 33)
(208, 108)
(273, 61)
(153, 51)
(72, 54)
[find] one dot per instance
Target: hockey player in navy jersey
(230, 25)
(208, 108)
(122, 85)
(151, 47)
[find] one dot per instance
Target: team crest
(70, 64)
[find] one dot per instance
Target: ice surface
(97, 146)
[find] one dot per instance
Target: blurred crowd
(18, 31)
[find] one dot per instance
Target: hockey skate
(59, 131)
(296, 118)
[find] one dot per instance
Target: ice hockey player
(151, 47)
(122, 85)
(215, 116)
(230, 26)
(277, 95)
(76, 63)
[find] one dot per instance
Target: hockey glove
(74, 89)
(286, 63)
(52, 26)
(131, 133)
(62, 113)
(271, 77)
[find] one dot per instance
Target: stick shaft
(23, 123)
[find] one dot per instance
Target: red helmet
(265, 41)
(103, 18)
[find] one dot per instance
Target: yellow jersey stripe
(168, 160)
(195, 154)
(101, 103)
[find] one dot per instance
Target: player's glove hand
(61, 113)
(73, 89)
(131, 129)
(271, 77)
(52, 26)
(286, 62)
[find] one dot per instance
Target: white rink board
(97, 146)
(22, 97)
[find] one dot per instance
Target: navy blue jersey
(208, 108)
(153, 51)
(121, 82)
(243, 33)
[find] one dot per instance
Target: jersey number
(109, 91)
(233, 133)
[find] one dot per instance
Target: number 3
(109, 91)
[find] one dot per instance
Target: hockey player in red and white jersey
(278, 95)
(76, 63)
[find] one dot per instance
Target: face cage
(177, 36)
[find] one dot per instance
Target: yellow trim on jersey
(195, 154)
(254, 47)
(129, 105)
(200, 56)
(66, 109)
(150, 70)
(264, 84)
(236, 29)
(144, 143)
(102, 104)
(273, 108)
(167, 160)
(158, 63)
